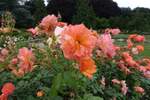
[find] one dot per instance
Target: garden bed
(76, 64)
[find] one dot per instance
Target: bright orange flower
(139, 89)
(126, 55)
(147, 67)
(26, 59)
(87, 67)
(106, 45)
(48, 24)
(77, 41)
(40, 93)
(129, 60)
(140, 48)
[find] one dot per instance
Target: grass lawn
(147, 50)
(126, 36)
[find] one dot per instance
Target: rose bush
(71, 62)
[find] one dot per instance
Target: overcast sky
(133, 3)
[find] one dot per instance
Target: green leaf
(56, 84)
(91, 97)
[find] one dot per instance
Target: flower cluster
(134, 38)
(77, 43)
(127, 62)
(124, 88)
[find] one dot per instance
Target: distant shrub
(7, 20)
(23, 18)
(101, 23)
(84, 14)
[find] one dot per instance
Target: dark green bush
(84, 14)
(23, 18)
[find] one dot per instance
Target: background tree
(126, 11)
(66, 8)
(52, 7)
(40, 10)
(105, 8)
(37, 8)
(30, 6)
(23, 18)
(8, 4)
(84, 13)
(136, 20)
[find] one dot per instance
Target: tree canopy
(84, 13)
(8, 4)
(66, 8)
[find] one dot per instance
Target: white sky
(133, 3)
(130, 3)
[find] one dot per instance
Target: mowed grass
(125, 36)
(145, 53)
